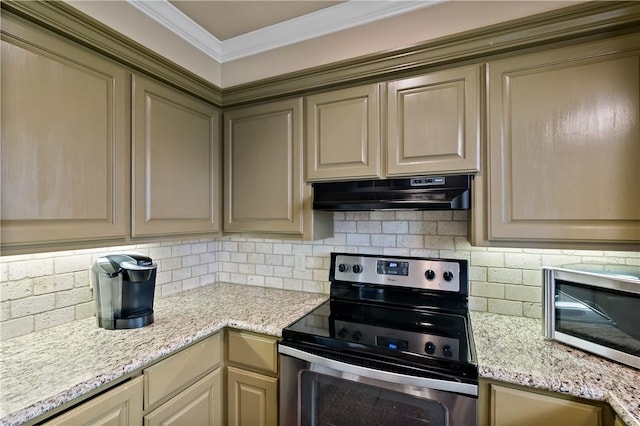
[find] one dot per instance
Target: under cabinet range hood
(450, 192)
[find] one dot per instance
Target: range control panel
(426, 273)
(399, 340)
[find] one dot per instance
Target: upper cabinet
(264, 184)
(343, 133)
(564, 145)
(176, 162)
(93, 156)
(433, 122)
(65, 143)
(432, 126)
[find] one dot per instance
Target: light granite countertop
(46, 369)
(513, 350)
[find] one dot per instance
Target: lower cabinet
(199, 404)
(120, 406)
(252, 379)
(252, 398)
(186, 388)
(511, 405)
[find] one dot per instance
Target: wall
(44, 290)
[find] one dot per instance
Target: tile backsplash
(48, 289)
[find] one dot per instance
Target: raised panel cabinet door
(252, 399)
(264, 189)
(433, 122)
(564, 144)
(198, 405)
(513, 407)
(177, 177)
(343, 133)
(121, 406)
(64, 143)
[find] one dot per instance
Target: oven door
(316, 391)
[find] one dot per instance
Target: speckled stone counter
(513, 350)
(43, 370)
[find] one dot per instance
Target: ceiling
(232, 29)
(227, 19)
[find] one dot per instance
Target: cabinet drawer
(167, 377)
(253, 352)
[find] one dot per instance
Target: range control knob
(430, 348)
(357, 269)
(447, 351)
(430, 274)
(448, 275)
(356, 336)
(343, 267)
(342, 333)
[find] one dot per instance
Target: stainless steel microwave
(595, 308)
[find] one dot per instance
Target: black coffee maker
(124, 287)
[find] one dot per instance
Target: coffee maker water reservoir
(123, 288)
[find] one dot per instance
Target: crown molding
(64, 20)
(581, 22)
(565, 26)
(325, 21)
(177, 22)
(336, 18)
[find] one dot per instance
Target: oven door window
(599, 315)
(327, 401)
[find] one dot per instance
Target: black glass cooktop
(415, 338)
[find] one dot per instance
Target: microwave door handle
(387, 376)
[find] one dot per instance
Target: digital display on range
(392, 267)
(395, 344)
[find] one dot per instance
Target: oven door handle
(387, 376)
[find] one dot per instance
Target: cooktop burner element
(409, 311)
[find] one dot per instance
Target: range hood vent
(413, 193)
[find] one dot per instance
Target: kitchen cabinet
(561, 165)
(510, 405)
(199, 404)
(264, 187)
(186, 388)
(121, 406)
(176, 176)
(343, 133)
(93, 155)
(65, 143)
(252, 379)
(434, 122)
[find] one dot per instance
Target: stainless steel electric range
(392, 346)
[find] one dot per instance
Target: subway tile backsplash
(48, 289)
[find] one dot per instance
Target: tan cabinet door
(433, 122)
(264, 189)
(198, 405)
(252, 399)
(64, 141)
(343, 133)
(513, 407)
(121, 406)
(176, 162)
(564, 144)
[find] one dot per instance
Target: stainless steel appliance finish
(450, 192)
(392, 346)
(594, 308)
